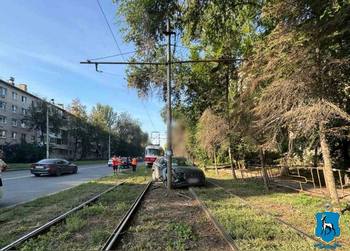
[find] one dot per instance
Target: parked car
(124, 165)
(53, 167)
(184, 173)
(109, 163)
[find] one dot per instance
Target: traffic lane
(22, 187)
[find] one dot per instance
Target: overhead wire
(149, 117)
(113, 55)
(120, 54)
(110, 28)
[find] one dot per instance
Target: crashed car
(184, 172)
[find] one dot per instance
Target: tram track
(114, 238)
(46, 227)
(260, 210)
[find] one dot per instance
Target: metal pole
(109, 142)
(169, 143)
(47, 132)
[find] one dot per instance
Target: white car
(109, 163)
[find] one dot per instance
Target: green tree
(36, 118)
(78, 129)
(300, 73)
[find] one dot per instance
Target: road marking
(17, 177)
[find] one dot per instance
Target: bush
(23, 153)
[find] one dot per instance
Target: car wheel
(75, 170)
(58, 172)
(37, 175)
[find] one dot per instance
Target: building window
(23, 137)
(2, 105)
(3, 92)
(24, 111)
(3, 120)
(14, 135)
(14, 122)
(14, 108)
(14, 95)
(23, 124)
(24, 99)
(2, 134)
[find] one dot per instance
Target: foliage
(212, 131)
(23, 153)
(289, 80)
(36, 118)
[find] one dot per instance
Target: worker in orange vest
(133, 164)
(115, 163)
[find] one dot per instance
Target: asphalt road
(21, 186)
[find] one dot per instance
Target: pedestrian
(128, 162)
(115, 164)
(134, 164)
(120, 163)
(3, 165)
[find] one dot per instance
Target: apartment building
(15, 100)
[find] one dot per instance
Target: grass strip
(249, 229)
(298, 209)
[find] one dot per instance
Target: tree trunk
(215, 164)
(327, 166)
(285, 168)
(231, 163)
(315, 156)
(75, 148)
(265, 176)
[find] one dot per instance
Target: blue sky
(42, 43)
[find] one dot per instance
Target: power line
(149, 117)
(113, 55)
(163, 63)
(130, 52)
(109, 27)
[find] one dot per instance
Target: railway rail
(226, 236)
(45, 227)
(298, 231)
(112, 241)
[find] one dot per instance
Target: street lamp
(47, 129)
(109, 141)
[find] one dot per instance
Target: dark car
(184, 173)
(53, 167)
(125, 163)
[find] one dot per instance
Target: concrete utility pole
(168, 63)
(47, 132)
(109, 142)
(169, 151)
(47, 129)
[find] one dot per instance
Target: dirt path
(171, 221)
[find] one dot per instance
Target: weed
(182, 233)
(75, 223)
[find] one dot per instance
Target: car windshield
(180, 162)
(47, 161)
